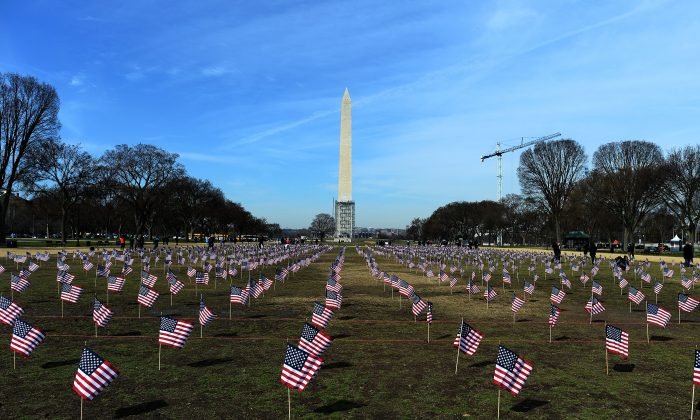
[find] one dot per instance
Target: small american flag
(205, 315)
(565, 280)
(467, 339)
(333, 300)
(623, 283)
(418, 305)
(146, 296)
(266, 283)
(489, 293)
(64, 277)
(529, 288)
(686, 282)
(232, 271)
(696, 369)
(635, 295)
(174, 284)
(553, 315)
(299, 367)
(657, 315)
(506, 277)
(616, 341)
(646, 277)
(321, 315)
(87, 265)
(220, 273)
(25, 338)
(281, 274)
(191, 272)
(443, 276)
(597, 288)
(201, 277)
(453, 282)
(115, 283)
(33, 266)
(173, 332)
(687, 303)
(238, 296)
(557, 295)
(102, 271)
(657, 287)
(511, 371)
(70, 293)
(333, 285)
(472, 288)
(313, 340)
(94, 374)
(9, 311)
(584, 278)
(429, 316)
(594, 305)
(101, 314)
(18, 284)
(127, 269)
(487, 277)
(516, 303)
(148, 279)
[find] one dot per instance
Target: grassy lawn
(380, 364)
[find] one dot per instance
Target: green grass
(379, 365)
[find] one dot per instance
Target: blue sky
(248, 93)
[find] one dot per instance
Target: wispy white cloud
(205, 157)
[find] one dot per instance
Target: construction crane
(499, 153)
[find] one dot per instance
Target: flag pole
(692, 398)
(62, 308)
(499, 404)
(550, 333)
(289, 402)
(14, 360)
(139, 310)
(428, 332)
(606, 352)
(458, 344)
(81, 408)
(160, 346)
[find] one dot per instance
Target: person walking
(557, 251)
(592, 249)
(688, 252)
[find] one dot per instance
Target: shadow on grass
(660, 338)
(336, 337)
(257, 316)
(627, 367)
(443, 336)
(210, 362)
(138, 409)
(51, 365)
(340, 405)
(523, 320)
(562, 338)
(346, 317)
(481, 364)
(233, 334)
(337, 365)
(527, 405)
(122, 334)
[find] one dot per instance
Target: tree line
(141, 190)
(630, 191)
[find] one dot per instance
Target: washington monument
(344, 206)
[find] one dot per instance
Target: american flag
(516, 304)
(473, 288)
(333, 285)
(255, 289)
(387, 277)
(489, 293)
(2, 269)
(148, 279)
(232, 271)
(557, 295)
(442, 276)
(657, 287)
(657, 315)
(418, 305)
(299, 367)
(584, 278)
(687, 303)
(405, 289)
(686, 282)
(205, 315)
(646, 277)
(102, 271)
(453, 282)
(487, 277)
(173, 332)
(565, 280)
(175, 284)
(25, 338)
(9, 311)
(313, 340)
(201, 277)
(429, 316)
(127, 269)
(191, 272)
(70, 293)
(696, 368)
(25, 274)
(429, 273)
(668, 273)
(94, 374)
(220, 273)
(511, 371)
(467, 339)
(321, 315)
(18, 284)
(146, 296)
(87, 265)
(597, 288)
(33, 266)
(635, 295)
(594, 305)
(101, 314)
(64, 277)
(238, 296)
(616, 341)
(553, 314)
(115, 283)
(529, 288)
(333, 300)
(281, 274)
(506, 277)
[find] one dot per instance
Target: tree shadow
(627, 367)
(443, 336)
(346, 317)
(257, 316)
(527, 405)
(139, 409)
(598, 321)
(340, 405)
(336, 337)
(210, 362)
(51, 365)
(481, 364)
(523, 320)
(233, 334)
(562, 338)
(122, 334)
(660, 338)
(336, 365)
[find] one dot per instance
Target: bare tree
(63, 172)
(322, 225)
(28, 115)
(628, 179)
(139, 174)
(548, 173)
(681, 189)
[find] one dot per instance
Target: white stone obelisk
(345, 207)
